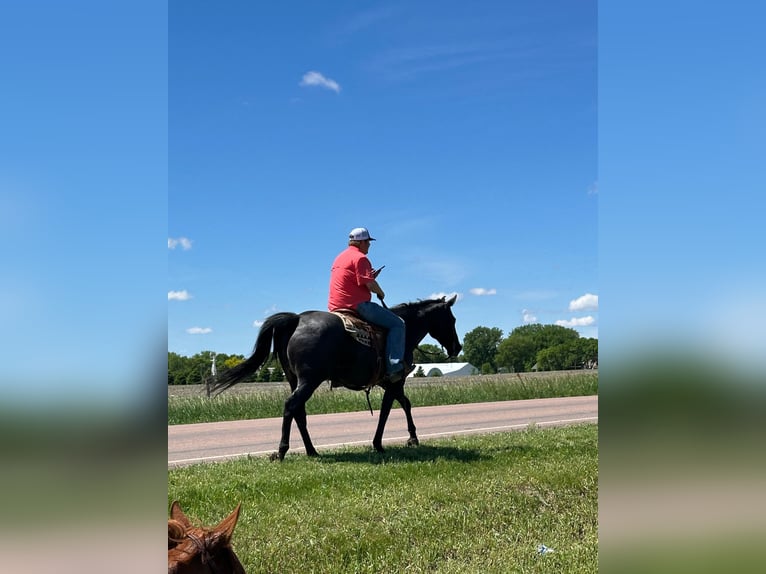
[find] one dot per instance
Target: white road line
(172, 463)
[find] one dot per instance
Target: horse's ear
(451, 300)
(176, 533)
(226, 528)
(177, 514)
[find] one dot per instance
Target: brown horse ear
(177, 514)
(226, 528)
(451, 300)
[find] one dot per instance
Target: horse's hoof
(312, 453)
(277, 456)
(379, 448)
(413, 442)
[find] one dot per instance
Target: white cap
(360, 234)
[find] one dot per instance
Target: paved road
(210, 442)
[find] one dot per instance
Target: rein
(432, 353)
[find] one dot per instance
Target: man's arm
(374, 287)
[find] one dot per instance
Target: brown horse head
(198, 550)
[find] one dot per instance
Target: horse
(313, 347)
(198, 550)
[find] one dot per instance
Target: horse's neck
(413, 336)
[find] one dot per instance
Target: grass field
(469, 504)
(189, 404)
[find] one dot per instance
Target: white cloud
(447, 295)
(179, 295)
(528, 317)
(258, 324)
(587, 301)
(184, 242)
(482, 291)
(577, 322)
(316, 79)
(199, 330)
(593, 188)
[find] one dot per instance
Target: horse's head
(441, 324)
(197, 550)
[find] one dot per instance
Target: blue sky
(475, 168)
(83, 208)
(464, 139)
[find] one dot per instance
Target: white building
(445, 369)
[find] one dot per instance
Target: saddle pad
(358, 328)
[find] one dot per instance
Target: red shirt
(351, 271)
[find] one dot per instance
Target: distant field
(190, 404)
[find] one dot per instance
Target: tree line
(533, 347)
(526, 348)
(195, 369)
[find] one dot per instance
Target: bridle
(425, 352)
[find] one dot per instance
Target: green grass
(466, 504)
(256, 401)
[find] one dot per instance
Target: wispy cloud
(179, 295)
(540, 295)
(576, 322)
(184, 242)
(593, 188)
(199, 330)
(316, 79)
(480, 291)
(412, 61)
(528, 317)
(586, 302)
(266, 313)
(446, 271)
(360, 22)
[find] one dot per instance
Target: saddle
(368, 335)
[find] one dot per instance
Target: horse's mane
(416, 307)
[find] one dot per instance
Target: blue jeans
(378, 315)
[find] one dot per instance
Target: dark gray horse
(314, 346)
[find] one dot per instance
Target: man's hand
(377, 271)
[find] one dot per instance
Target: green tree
(517, 353)
(480, 346)
(419, 372)
(233, 361)
(428, 353)
(176, 364)
(551, 347)
(545, 336)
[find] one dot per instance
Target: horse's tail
(277, 328)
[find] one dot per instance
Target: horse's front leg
(385, 410)
(407, 408)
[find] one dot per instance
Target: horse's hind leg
(295, 408)
(284, 443)
(300, 421)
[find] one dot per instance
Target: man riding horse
(352, 282)
(315, 346)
